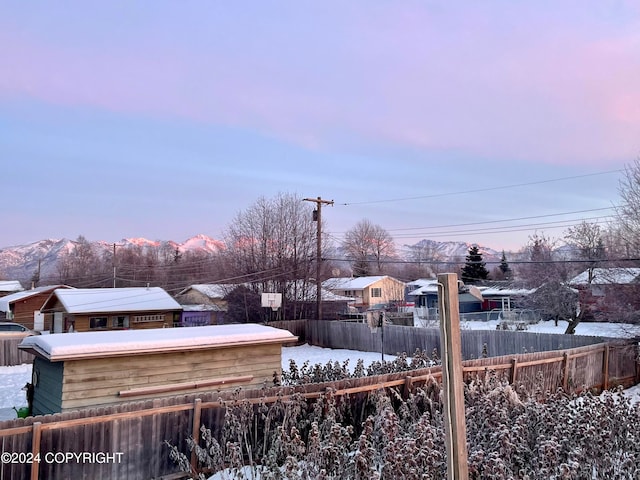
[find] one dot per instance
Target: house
(609, 294)
(426, 301)
(88, 369)
(85, 309)
(479, 303)
(10, 286)
(367, 291)
(24, 307)
(206, 299)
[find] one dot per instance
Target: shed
(86, 369)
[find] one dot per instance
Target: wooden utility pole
(317, 217)
(452, 380)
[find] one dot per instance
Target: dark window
(98, 322)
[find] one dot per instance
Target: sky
(482, 122)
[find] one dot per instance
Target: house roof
(69, 346)
(10, 286)
(14, 297)
(211, 290)
(105, 300)
(357, 283)
(607, 276)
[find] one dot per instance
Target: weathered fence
(9, 352)
(397, 339)
(127, 441)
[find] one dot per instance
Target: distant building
(367, 291)
(10, 286)
(25, 307)
(86, 309)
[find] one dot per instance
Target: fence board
(10, 354)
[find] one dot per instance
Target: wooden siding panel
(98, 381)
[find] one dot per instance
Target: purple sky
(431, 119)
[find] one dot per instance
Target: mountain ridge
(21, 262)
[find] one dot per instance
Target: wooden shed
(85, 369)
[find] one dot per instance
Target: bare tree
(588, 241)
(368, 244)
(628, 211)
(272, 244)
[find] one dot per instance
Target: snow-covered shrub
(511, 434)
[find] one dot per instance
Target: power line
(479, 190)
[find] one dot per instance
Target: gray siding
(47, 395)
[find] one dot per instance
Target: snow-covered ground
(13, 379)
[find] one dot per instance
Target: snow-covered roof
(201, 307)
(14, 297)
(10, 286)
(347, 283)
(211, 290)
(431, 287)
(504, 291)
(69, 346)
(104, 300)
(607, 276)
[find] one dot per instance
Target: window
(148, 318)
(120, 321)
(376, 292)
(98, 322)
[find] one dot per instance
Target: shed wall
(98, 381)
(47, 395)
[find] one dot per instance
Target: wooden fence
(133, 434)
(9, 353)
(397, 339)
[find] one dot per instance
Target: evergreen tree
(504, 267)
(474, 269)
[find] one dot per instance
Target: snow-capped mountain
(21, 262)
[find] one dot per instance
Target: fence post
(35, 450)
(197, 412)
(605, 368)
(408, 385)
(514, 370)
(452, 377)
(565, 372)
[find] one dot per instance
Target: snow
(120, 342)
(14, 378)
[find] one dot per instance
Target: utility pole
(317, 217)
(114, 262)
(452, 379)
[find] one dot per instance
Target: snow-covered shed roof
(80, 345)
(105, 300)
(357, 283)
(607, 276)
(10, 286)
(15, 297)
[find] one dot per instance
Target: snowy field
(13, 379)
